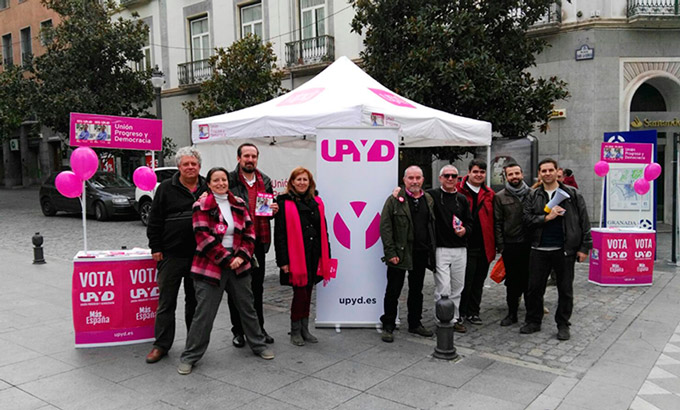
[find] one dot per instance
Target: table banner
(622, 257)
(356, 172)
(108, 131)
(114, 301)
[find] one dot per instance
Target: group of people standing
(204, 232)
(457, 229)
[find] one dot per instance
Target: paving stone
(354, 375)
(312, 393)
(369, 401)
(32, 369)
(15, 398)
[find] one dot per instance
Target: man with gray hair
(172, 243)
(407, 233)
(454, 222)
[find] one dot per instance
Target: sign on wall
(356, 170)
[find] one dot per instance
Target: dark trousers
(209, 297)
(475, 274)
(395, 282)
(171, 272)
(516, 259)
(257, 286)
(302, 300)
(540, 264)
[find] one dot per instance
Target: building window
(145, 62)
(4, 4)
(200, 39)
(26, 46)
(313, 17)
(46, 32)
(251, 20)
(7, 52)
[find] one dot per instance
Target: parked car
(143, 199)
(107, 195)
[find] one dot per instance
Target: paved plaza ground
(624, 351)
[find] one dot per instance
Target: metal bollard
(444, 310)
(38, 257)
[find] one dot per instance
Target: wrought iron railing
(652, 8)
(554, 15)
(8, 61)
(310, 51)
(193, 72)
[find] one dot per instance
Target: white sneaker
(184, 368)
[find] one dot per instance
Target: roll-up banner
(356, 171)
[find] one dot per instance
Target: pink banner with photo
(108, 131)
(629, 153)
(622, 257)
(114, 301)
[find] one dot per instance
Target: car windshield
(109, 180)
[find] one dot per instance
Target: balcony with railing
(193, 72)
(654, 13)
(652, 8)
(550, 20)
(8, 61)
(26, 59)
(310, 51)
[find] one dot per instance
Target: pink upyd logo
(343, 234)
(376, 151)
(300, 97)
(391, 98)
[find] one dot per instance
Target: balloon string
(82, 206)
(602, 200)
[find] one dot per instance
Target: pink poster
(622, 257)
(108, 131)
(114, 301)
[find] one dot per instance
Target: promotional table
(622, 256)
(114, 296)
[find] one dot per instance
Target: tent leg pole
(488, 166)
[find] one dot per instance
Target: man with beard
(511, 238)
(559, 237)
(246, 181)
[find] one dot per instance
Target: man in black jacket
(559, 237)
(511, 238)
(246, 181)
(172, 243)
(454, 223)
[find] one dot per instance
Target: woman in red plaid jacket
(225, 240)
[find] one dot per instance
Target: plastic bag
(498, 271)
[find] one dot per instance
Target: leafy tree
(467, 57)
(16, 92)
(86, 67)
(243, 75)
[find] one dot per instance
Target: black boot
(295, 335)
(305, 332)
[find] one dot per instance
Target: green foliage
(243, 75)
(16, 93)
(467, 57)
(86, 66)
(169, 148)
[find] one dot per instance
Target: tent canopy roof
(343, 95)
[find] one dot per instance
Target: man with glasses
(407, 233)
(481, 244)
(454, 221)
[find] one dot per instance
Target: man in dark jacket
(481, 245)
(246, 182)
(454, 222)
(407, 233)
(511, 238)
(559, 237)
(172, 243)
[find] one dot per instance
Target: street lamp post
(157, 80)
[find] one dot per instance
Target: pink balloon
(84, 162)
(652, 171)
(641, 186)
(68, 184)
(601, 168)
(144, 178)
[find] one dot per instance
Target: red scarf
(296, 246)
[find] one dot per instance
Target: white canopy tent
(342, 95)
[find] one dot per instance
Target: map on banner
(622, 195)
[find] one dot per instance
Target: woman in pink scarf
(302, 251)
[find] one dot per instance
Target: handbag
(498, 271)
